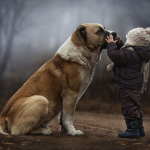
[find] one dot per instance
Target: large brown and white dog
(56, 87)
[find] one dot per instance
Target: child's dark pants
(131, 103)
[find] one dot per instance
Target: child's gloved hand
(118, 39)
(110, 39)
(110, 67)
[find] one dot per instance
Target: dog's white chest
(86, 78)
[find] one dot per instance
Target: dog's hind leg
(44, 131)
(30, 115)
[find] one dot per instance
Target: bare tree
(13, 20)
(12, 16)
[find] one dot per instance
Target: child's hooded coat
(127, 70)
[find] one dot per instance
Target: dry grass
(98, 106)
(106, 107)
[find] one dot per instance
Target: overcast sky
(48, 23)
(52, 22)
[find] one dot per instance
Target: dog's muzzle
(114, 34)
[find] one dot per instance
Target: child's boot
(141, 128)
(132, 130)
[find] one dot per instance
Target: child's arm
(118, 57)
(120, 44)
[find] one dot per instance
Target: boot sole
(131, 137)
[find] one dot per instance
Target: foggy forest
(31, 31)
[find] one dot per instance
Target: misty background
(31, 31)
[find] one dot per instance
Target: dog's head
(91, 36)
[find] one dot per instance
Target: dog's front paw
(80, 132)
(76, 132)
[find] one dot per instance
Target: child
(129, 64)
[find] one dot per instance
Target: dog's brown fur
(54, 88)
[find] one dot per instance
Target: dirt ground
(100, 134)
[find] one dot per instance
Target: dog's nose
(114, 34)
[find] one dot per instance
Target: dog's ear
(81, 32)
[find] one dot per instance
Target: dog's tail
(3, 125)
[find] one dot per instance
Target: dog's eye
(100, 31)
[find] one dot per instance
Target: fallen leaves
(9, 143)
(9, 136)
(136, 143)
(1, 148)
